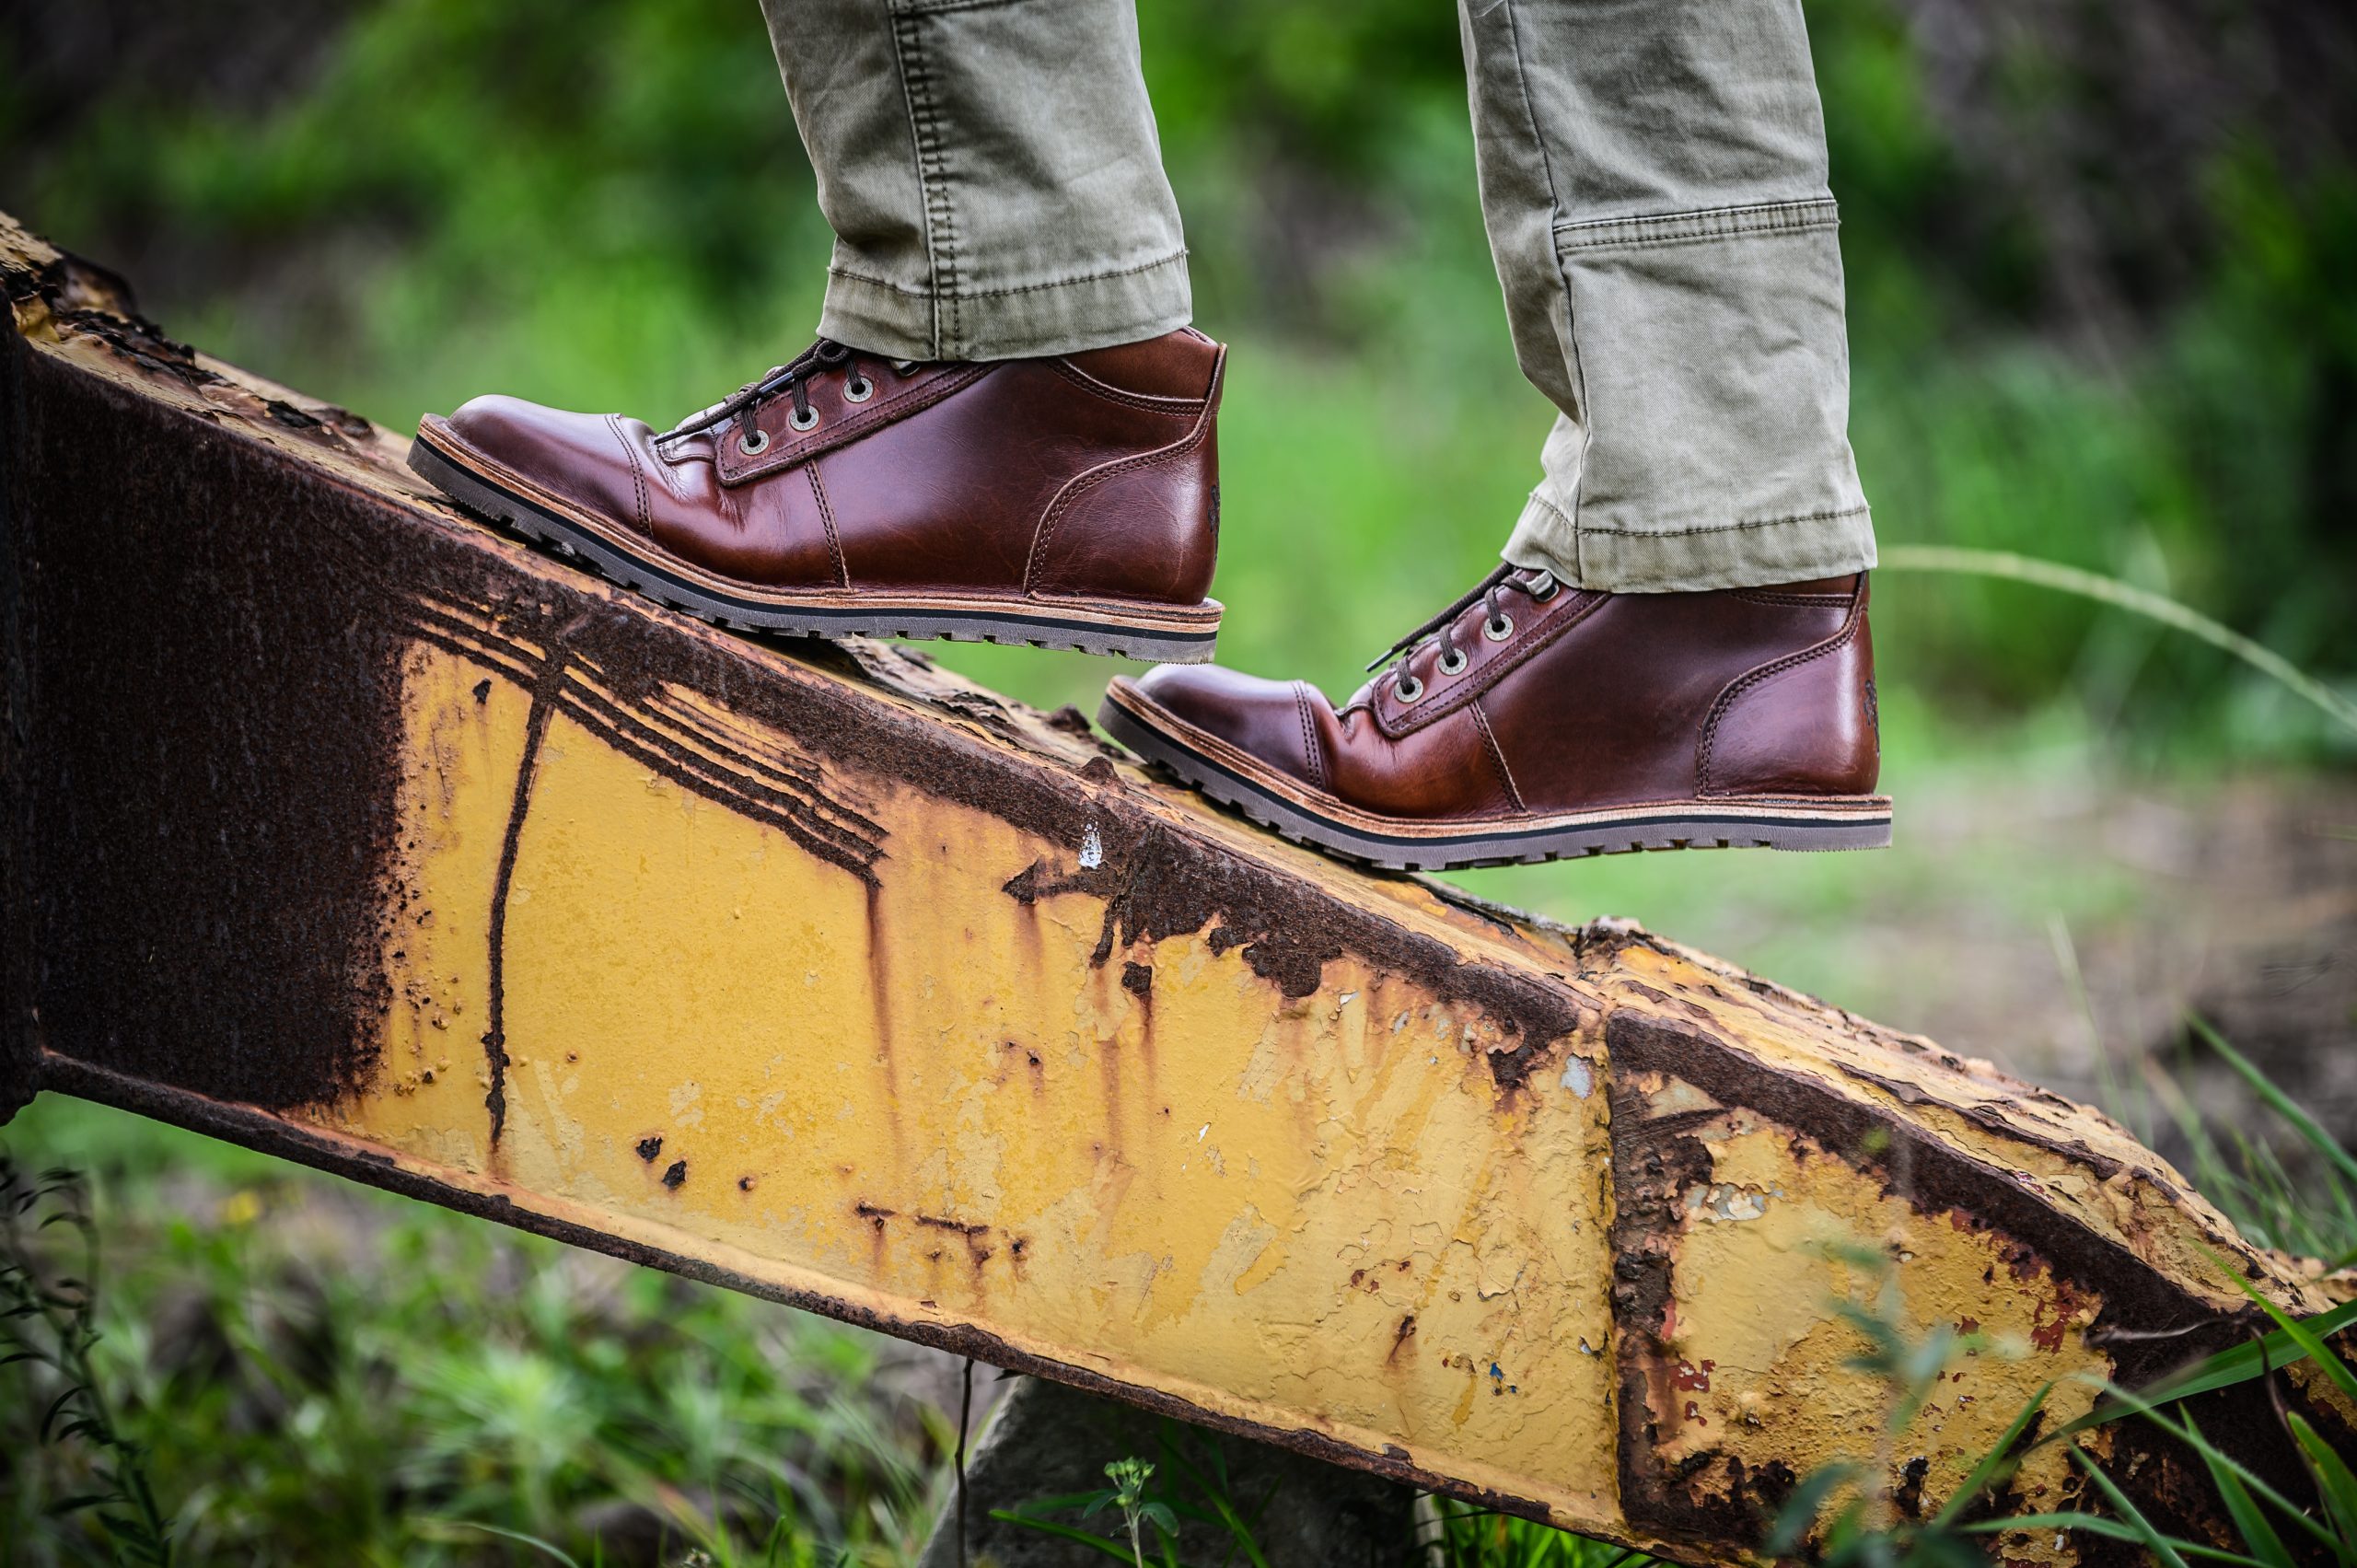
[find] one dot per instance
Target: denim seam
(935, 8)
(1672, 242)
(1578, 564)
(1174, 259)
(1701, 224)
(1715, 527)
(940, 220)
(1571, 319)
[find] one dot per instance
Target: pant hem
(1733, 556)
(1026, 321)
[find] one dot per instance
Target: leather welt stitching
(1309, 752)
(1497, 755)
(1081, 485)
(1526, 649)
(1745, 682)
(846, 430)
(1176, 406)
(637, 474)
(826, 521)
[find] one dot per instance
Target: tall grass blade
(2006, 565)
(545, 1548)
(2333, 1479)
(2251, 1481)
(2277, 1100)
(1999, 1459)
(2228, 1367)
(2250, 1520)
(2159, 1545)
(1064, 1532)
(2303, 1335)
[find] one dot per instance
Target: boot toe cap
(1271, 720)
(584, 459)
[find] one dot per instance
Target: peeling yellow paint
(927, 1095)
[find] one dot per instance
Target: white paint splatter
(1092, 849)
(1202, 1131)
(1578, 1077)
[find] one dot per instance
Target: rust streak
(494, 1038)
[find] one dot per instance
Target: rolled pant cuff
(1061, 315)
(1736, 555)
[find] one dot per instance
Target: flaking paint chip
(1092, 849)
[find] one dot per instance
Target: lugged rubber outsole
(879, 615)
(1834, 824)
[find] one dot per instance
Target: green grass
(318, 1373)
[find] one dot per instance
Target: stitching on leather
(1479, 685)
(1745, 682)
(1497, 755)
(1081, 485)
(637, 474)
(826, 521)
(1113, 394)
(1309, 752)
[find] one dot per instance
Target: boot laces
(1497, 625)
(791, 379)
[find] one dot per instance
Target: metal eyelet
(800, 421)
(753, 446)
(904, 367)
(1453, 662)
(1407, 688)
(858, 391)
(1543, 587)
(1498, 631)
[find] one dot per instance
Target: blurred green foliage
(319, 1374)
(2065, 343)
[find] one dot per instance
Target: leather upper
(1589, 699)
(1090, 476)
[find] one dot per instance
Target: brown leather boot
(1530, 721)
(1072, 503)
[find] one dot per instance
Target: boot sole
(1210, 765)
(1109, 628)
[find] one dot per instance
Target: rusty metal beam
(342, 827)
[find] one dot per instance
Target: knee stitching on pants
(1701, 226)
(1716, 528)
(1174, 259)
(935, 8)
